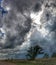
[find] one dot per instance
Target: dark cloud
(17, 25)
(20, 24)
(37, 7)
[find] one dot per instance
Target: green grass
(51, 61)
(38, 62)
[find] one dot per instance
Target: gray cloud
(15, 23)
(18, 25)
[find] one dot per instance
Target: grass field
(51, 61)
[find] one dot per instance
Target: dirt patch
(6, 63)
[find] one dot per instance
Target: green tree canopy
(54, 54)
(33, 52)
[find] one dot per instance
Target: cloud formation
(28, 22)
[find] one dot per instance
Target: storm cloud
(27, 23)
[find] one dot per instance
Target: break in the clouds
(28, 22)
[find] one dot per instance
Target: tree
(54, 54)
(46, 55)
(33, 52)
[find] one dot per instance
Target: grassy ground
(39, 62)
(35, 62)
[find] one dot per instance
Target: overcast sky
(28, 22)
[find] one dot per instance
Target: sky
(27, 23)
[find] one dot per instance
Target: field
(51, 61)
